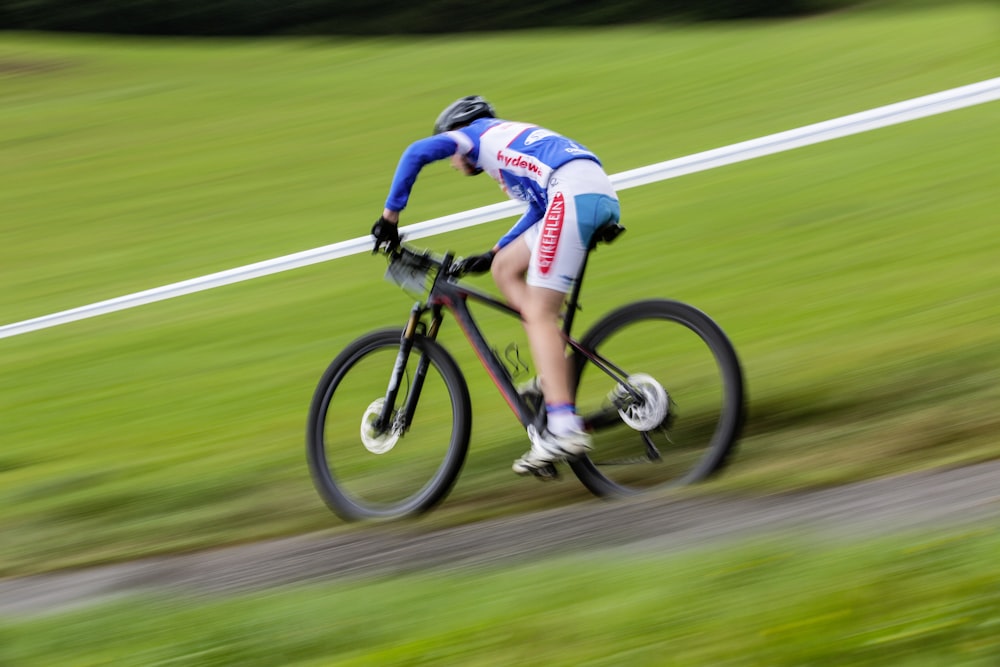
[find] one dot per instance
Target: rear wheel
(364, 473)
(676, 416)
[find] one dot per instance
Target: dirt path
(959, 496)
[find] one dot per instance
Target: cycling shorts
(581, 200)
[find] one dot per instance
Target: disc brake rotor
(377, 443)
(651, 412)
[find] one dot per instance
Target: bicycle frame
(447, 293)
(425, 416)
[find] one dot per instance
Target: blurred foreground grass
(908, 601)
(857, 278)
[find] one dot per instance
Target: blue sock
(562, 418)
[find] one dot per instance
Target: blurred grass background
(857, 278)
(777, 600)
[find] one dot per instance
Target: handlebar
(411, 256)
(414, 270)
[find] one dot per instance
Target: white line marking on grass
(892, 114)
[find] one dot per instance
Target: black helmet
(462, 112)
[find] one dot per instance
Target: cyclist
(535, 263)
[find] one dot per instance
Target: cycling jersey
(519, 156)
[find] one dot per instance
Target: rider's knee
(541, 305)
(506, 273)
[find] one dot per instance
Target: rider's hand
(386, 233)
(476, 263)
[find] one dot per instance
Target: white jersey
(519, 156)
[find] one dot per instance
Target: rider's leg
(540, 312)
(540, 308)
(509, 268)
(535, 275)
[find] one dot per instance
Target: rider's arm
(417, 154)
(530, 217)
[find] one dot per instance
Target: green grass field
(912, 601)
(857, 278)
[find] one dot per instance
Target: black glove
(385, 232)
(476, 263)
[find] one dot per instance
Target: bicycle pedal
(547, 473)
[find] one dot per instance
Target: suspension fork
(414, 327)
(410, 407)
(395, 380)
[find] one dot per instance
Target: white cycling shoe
(548, 448)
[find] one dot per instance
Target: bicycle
(658, 383)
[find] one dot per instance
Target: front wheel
(673, 413)
(363, 472)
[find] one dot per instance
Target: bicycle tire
(677, 347)
(355, 480)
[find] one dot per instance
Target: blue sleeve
(530, 217)
(417, 154)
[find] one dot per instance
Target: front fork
(414, 327)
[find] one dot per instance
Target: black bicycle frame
(448, 293)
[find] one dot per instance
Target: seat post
(572, 304)
(604, 234)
